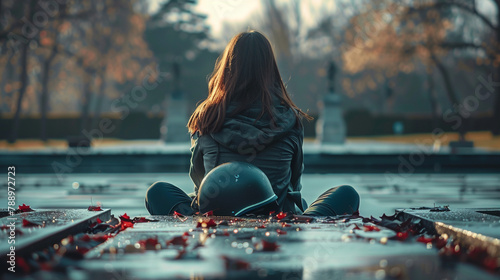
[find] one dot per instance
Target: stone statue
(173, 129)
(330, 128)
(332, 69)
(176, 76)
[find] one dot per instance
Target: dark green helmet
(234, 189)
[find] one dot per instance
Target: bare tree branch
(460, 45)
(464, 7)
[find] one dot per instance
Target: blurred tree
(24, 27)
(178, 35)
(49, 42)
(393, 37)
(277, 24)
(102, 42)
(304, 35)
(12, 26)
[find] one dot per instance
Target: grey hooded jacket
(275, 149)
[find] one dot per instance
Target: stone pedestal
(330, 128)
(174, 128)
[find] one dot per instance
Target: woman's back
(275, 148)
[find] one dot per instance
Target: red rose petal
(149, 243)
(281, 232)
(100, 237)
(27, 223)
(281, 215)
(178, 240)
(206, 224)
(23, 264)
(235, 264)
(85, 238)
(181, 217)
(370, 228)
(423, 239)
(209, 213)
(490, 263)
(126, 224)
(402, 236)
(94, 208)
(125, 218)
(269, 246)
(25, 208)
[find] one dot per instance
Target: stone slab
(479, 227)
(55, 225)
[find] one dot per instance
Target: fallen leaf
(491, 263)
(425, 240)
(235, 264)
(94, 208)
(181, 217)
(267, 246)
(100, 237)
(25, 208)
(209, 213)
(149, 243)
(206, 223)
(85, 238)
(281, 232)
(124, 225)
(126, 218)
(401, 236)
(23, 264)
(281, 215)
(27, 223)
(178, 240)
(370, 228)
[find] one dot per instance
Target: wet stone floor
(275, 247)
(252, 248)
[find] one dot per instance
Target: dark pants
(163, 199)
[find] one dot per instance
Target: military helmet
(234, 189)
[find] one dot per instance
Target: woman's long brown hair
(245, 73)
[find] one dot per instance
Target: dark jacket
(275, 149)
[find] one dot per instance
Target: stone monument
(330, 128)
(176, 116)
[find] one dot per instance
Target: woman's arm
(297, 164)
(197, 168)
